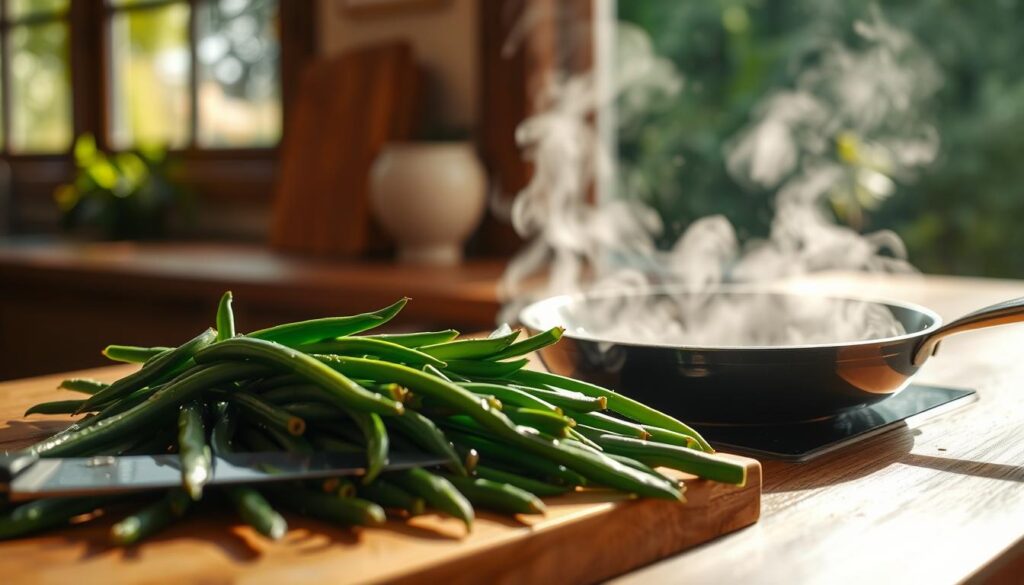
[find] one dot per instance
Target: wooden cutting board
(585, 537)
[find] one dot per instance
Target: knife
(28, 477)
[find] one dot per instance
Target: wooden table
(939, 502)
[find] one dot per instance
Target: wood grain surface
(584, 537)
(940, 501)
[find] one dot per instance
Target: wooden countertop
(465, 293)
(938, 502)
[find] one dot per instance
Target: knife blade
(27, 477)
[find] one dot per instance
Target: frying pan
(739, 383)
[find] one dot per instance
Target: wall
(444, 38)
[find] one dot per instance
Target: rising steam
(835, 142)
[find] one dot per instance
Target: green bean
(288, 441)
(510, 395)
(568, 400)
(303, 332)
(542, 420)
(257, 512)
(469, 348)
(46, 513)
(437, 491)
(274, 382)
(577, 435)
(491, 450)
(391, 496)
(375, 435)
(428, 437)
(640, 466)
(133, 354)
(347, 511)
(359, 346)
(533, 486)
(194, 453)
(56, 407)
(659, 435)
(339, 486)
(484, 369)
(436, 372)
(315, 412)
(151, 371)
(623, 405)
(262, 412)
(296, 393)
(416, 340)
(681, 458)
(530, 344)
(150, 520)
(257, 439)
(609, 423)
(162, 402)
(83, 385)
(329, 443)
(337, 388)
(225, 318)
(601, 469)
(154, 445)
(500, 497)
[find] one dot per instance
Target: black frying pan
(763, 382)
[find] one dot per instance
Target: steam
(833, 143)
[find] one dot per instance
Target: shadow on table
(16, 434)
(846, 464)
(1001, 471)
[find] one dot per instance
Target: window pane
(40, 88)
(21, 8)
(239, 92)
(150, 76)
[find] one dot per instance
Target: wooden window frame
(215, 173)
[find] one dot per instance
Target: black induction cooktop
(807, 440)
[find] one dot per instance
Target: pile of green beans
(509, 436)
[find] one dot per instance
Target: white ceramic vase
(429, 196)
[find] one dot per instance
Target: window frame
(218, 173)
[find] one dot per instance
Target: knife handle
(13, 464)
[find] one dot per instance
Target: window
(36, 87)
(201, 74)
(182, 74)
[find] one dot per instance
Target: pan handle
(1011, 311)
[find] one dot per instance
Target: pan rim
(527, 317)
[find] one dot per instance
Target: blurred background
(326, 156)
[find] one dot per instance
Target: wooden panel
(93, 294)
(346, 109)
(584, 537)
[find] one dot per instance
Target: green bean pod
(496, 496)
(660, 435)
(83, 385)
(542, 420)
(390, 496)
(437, 491)
(261, 412)
(194, 453)
(139, 417)
(152, 371)
(689, 460)
(303, 332)
(576, 434)
(484, 369)
(533, 486)
(614, 425)
(133, 354)
(150, 520)
(337, 388)
(510, 395)
(225, 318)
(530, 344)
(375, 435)
(46, 513)
(56, 407)
(417, 340)
(346, 511)
(618, 403)
(469, 348)
(315, 412)
(568, 400)
(494, 451)
(360, 346)
(428, 437)
(257, 512)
